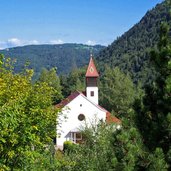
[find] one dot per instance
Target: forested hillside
(131, 51)
(65, 56)
(143, 142)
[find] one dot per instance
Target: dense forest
(28, 115)
(64, 57)
(130, 52)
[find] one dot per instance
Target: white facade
(69, 126)
(79, 110)
(92, 94)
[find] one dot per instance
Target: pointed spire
(91, 70)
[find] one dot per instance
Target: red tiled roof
(112, 119)
(91, 70)
(68, 99)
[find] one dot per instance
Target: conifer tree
(154, 121)
(117, 91)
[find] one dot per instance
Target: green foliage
(69, 146)
(50, 77)
(27, 118)
(94, 153)
(155, 114)
(74, 81)
(130, 52)
(117, 91)
(158, 162)
(106, 149)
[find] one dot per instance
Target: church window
(81, 117)
(92, 93)
(59, 135)
(78, 136)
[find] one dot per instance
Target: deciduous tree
(27, 118)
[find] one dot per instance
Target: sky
(91, 22)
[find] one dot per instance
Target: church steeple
(91, 81)
(91, 70)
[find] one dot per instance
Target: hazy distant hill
(131, 51)
(65, 56)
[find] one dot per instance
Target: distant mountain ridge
(63, 56)
(130, 52)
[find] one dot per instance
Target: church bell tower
(91, 82)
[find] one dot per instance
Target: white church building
(80, 108)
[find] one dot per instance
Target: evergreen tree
(72, 82)
(117, 91)
(156, 112)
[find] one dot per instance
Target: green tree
(117, 91)
(156, 112)
(50, 77)
(27, 119)
(95, 153)
(130, 52)
(106, 148)
(74, 81)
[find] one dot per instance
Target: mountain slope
(65, 56)
(130, 52)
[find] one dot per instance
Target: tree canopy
(27, 118)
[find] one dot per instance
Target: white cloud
(58, 41)
(14, 42)
(90, 42)
(33, 42)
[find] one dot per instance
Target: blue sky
(68, 21)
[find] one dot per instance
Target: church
(81, 108)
